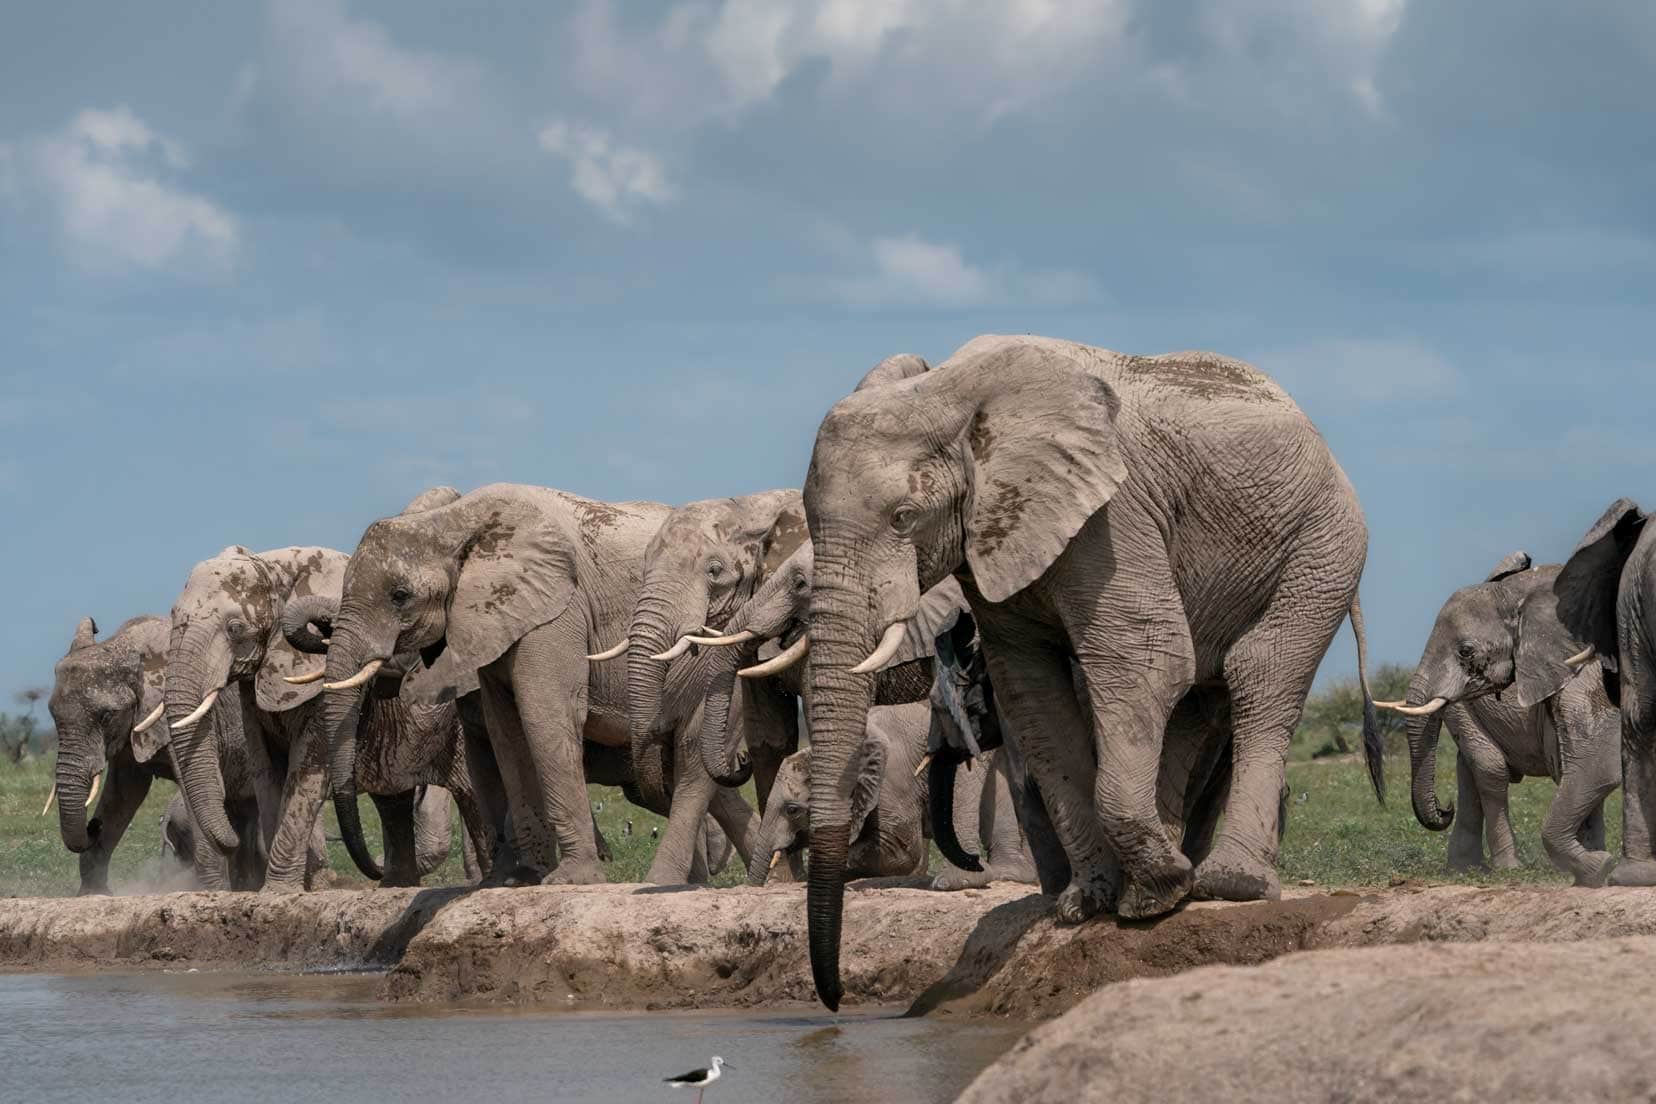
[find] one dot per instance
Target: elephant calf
(1498, 670)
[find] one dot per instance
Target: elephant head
(105, 695)
(701, 566)
(987, 465)
(1605, 593)
(1500, 636)
(226, 630)
(786, 828)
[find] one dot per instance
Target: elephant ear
(431, 499)
(1044, 456)
(865, 788)
(893, 369)
(295, 573)
(940, 607)
(152, 677)
(787, 531)
(515, 576)
(1588, 585)
(1511, 564)
(1543, 646)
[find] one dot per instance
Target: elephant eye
(903, 519)
(236, 627)
(400, 594)
(793, 808)
(714, 569)
(800, 582)
(1465, 650)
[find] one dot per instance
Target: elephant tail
(1374, 741)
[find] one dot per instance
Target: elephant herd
(1115, 576)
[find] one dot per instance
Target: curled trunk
(1423, 735)
(720, 743)
(941, 782)
(198, 665)
(340, 713)
(299, 616)
(654, 630)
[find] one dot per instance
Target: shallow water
(179, 1038)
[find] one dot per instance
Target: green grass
(1338, 836)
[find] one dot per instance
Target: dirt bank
(990, 951)
(1480, 1021)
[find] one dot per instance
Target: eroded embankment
(992, 951)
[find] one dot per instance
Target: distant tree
(21, 735)
(1333, 720)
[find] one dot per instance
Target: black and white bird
(655, 831)
(627, 829)
(698, 1079)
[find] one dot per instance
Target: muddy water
(182, 1038)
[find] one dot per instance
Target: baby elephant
(1522, 700)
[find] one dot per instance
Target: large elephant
(888, 807)
(702, 564)
(105, 704)
(504, 590)
(1173, 523)
(1496, 670)
(1607, 598)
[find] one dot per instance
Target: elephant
(700, 566)
(106, 697)
(504, 590)
(887, 830)
(1173, 524)
(1606, 597)
(1495, 669)
(185, 866)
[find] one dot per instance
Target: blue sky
(268, 270)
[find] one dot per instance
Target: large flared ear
(514, 576)
(784, 532)
(431, 499)
(151, 641)
(865, 789)
(940, 607)
(1043, 451)
(1543, 645)
(1511, 564)
(893, 369)
(1590, 581)
(295, 573)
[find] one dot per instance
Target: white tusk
(369, 670)
(925, 762)
(611, 653)
(1390, 705)
(97, 784)
(1418, 710)
(776, 857)
(305, 680)
(1582, 659)
(884, 650)
(200, 711)
(149, 722)
(723, 641)
(779, 662)
(50, 797)
(678, 649)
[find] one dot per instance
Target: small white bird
(699, 1078)
(655, 831)
(626, 829)
(598, 808)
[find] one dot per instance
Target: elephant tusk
(884, 650)
(1390, 704)
(199, 712)
(1582, 659)
(1419, 710)
(97, 784)
(305, 680)
(925, 761)
(149, 721)
(51, 796)
(611, 653)
(369, 670)
(779, 662)
(678, 649)
(776, 857)
(723, 641)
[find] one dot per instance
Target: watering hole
(185, 1037)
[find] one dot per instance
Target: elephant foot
(282, 887)
(1465, 860)
(1226, 878)
(1505, 862)
(100, 889)
(501, 876)
(1595, 869)
(951, 880)
(1156, 892)
(571, 872)
(1080, 902)
(1634, 872)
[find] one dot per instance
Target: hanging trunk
(656, 625)
(340, 713)
(720, 742)
(198, 663)
(74, 779)
(1423, 735)
(838, 702)
(941, 782)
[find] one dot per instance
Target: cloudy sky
(266, 271)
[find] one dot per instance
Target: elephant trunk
(198, 664)
(300, 614)
(73, 781)
(340, 712)
(1423, 735)
(838, 704)
(656, 625)
(759, 862)
(720, 744)
(940, 780)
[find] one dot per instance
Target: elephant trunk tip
(1436, 820)
(825, 908)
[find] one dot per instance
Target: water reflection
(184, 1037)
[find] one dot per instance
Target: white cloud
(907, 270)
(108, 177)
(612, 177)
(1363, 370)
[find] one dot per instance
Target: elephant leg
(1638, 756)
(549, 684)
(766, 762)
(1589, 777)
(699, 874)
(301, 807)
(125, 787)
(433, 827)
(401, 865)
(1591, 835)
(1466, 835)
(493, 836)
(212, 867)
(998, 826)
(244, 869)
(720, 848)
(1487, 764)
(1052, 867)
(1039, 702)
